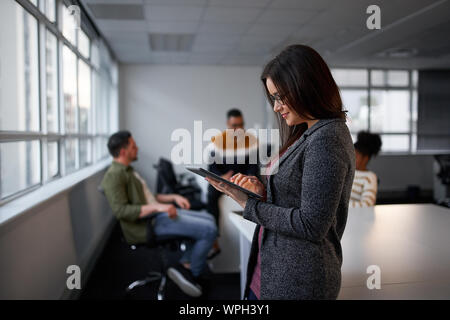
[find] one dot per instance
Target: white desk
(246, 229)
(410, 244)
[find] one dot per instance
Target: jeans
(200, 226)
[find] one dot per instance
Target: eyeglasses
(237, 125)
(276, 98)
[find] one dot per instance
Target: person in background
(235, 121)
(364, 189)
(132, 202)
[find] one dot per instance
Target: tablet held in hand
(205, 173)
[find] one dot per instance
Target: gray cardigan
(305, 216)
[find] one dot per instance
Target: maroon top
(255, 285)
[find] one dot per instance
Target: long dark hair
(305, 84)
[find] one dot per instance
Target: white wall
(155, 100)
(37, 247)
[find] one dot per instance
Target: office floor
(118, 266)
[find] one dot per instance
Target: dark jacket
(305, 216)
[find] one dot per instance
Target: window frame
(411, 88)
(44, 26)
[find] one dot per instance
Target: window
(395, 142)
(389, 111)
(84, 44)
(85, 152)
(51, 71)
(20, 166)
(84, 85)
(70, 90)
(389, 78)
(350, 77)
(52, 160)
(69, 25)
(356, 102)
(387, 105)
(50, 9)
(52, 96)
(101, 148)
(71, 151)
(103, 103)
(19, 108)
(95, 58)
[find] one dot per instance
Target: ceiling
(414, 33)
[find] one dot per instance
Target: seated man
(131, 202)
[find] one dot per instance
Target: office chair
(161, 243)
(444, 175)
(167, 182)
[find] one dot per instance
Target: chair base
(152, 277)
(171, 242)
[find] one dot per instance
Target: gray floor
(118, 266)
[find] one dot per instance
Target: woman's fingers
(237, 195)
(248, 185)
(237, 176)
(222, 187)
(240, 179)
(216, 184)
(234, 176)
(251, 183)
(256, 181)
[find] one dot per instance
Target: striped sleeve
(369, 192)
(364, 190)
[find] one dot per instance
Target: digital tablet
(206, 173)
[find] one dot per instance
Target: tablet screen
(205, 173)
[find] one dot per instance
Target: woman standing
(296, 251)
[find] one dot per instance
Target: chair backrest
(444, 168)
(166, 179)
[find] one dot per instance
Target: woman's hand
(237, 195)
(249, 182)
